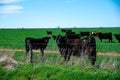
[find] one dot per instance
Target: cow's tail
(111, 37)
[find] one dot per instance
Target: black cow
(117, 36)
(61, 43)
(77, 47)
(63, 30)
(33, 43)
(73, 36)
(69, 32)
(49, 32)
(81, 47)
(105, 36)
(85, 33)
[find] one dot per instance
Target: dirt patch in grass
(7, 61)
(56, 51)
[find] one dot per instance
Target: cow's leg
(92, 55)
(27, 48)
(42, 51)
(30, 55)
(29, 52)
(42, 54)
(68, 54)
(101, 40)
(109, 40)
(92, 59)
(66, 57)
(61, 51)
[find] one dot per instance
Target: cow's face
(58, 38)
(46, 39)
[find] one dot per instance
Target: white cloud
(10, 9)
(9, 1)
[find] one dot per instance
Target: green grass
(53, 67)
(14, 38)
(55, 72)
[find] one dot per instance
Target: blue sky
(62, 13)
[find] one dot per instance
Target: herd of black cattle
(70, 44)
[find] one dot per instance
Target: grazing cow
(105, 36)
(33, 43)
(81, 47)
(61, 43)
(63, 30)
(73, 36)
(95, 33)
(77, 47)
(69, 32)
(85, 34)
(117, 36)
(49, 32)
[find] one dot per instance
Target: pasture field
(52, 65)
(14, 38)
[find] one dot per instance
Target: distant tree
(58, 26)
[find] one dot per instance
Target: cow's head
(89, 45)
(54, 37)
(58, 39)
(46, 39)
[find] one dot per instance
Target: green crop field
(52, 66)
